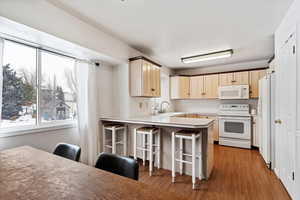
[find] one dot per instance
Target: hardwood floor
(239, 174)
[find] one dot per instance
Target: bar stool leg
(193, 161)
(134, 143)
(181, 155)
(104, 137)
(158, 148)
(125, 141)
(151, 153)
(173, 157)
(114, 140)
(144, 147)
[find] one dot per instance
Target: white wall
(45, 17)
(105, 88)
(124, 104)
(44, 140)
(210, 106)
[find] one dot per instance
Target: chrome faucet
(161, 110)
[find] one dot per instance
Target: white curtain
(1, 73)
(87, 96)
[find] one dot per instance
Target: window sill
(11, 132)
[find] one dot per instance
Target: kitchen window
(39, 89)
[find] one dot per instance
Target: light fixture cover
(208, 56)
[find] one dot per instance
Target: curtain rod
(37, 46)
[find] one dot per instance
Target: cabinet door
(184, 87)
(180, 87)
(240, 78)
(152, 76)
(196, 87)
(254, 78)
(226, 79)
(135, 78)
(146, 79)
(156, 81)
(211, 86)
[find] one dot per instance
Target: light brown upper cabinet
(180, 87)
(234, 78)
(254, 77)
(144, 77)
(197, 87)
(211, 86)
(205, 86)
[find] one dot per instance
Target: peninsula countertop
(165, 119)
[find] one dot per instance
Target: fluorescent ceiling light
(209, 56)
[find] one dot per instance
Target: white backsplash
(208, 105)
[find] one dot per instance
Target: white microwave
(234, 92)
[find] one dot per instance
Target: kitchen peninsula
(169, 122)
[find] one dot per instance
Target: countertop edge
(157, 123)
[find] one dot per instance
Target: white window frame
(39, 126)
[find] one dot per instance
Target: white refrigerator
(265, 117)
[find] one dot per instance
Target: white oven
(235, 125)
(234, 92)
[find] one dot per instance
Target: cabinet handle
(203, 93)
(152, 89)
(278, 121)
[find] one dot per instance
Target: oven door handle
(239, 119)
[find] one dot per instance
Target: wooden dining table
(27, 173)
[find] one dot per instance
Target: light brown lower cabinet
(216, 129)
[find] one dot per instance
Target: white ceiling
(166, 30)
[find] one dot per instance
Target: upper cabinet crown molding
(144, 58)
(144, 77)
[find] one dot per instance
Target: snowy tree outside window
(29, 99)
